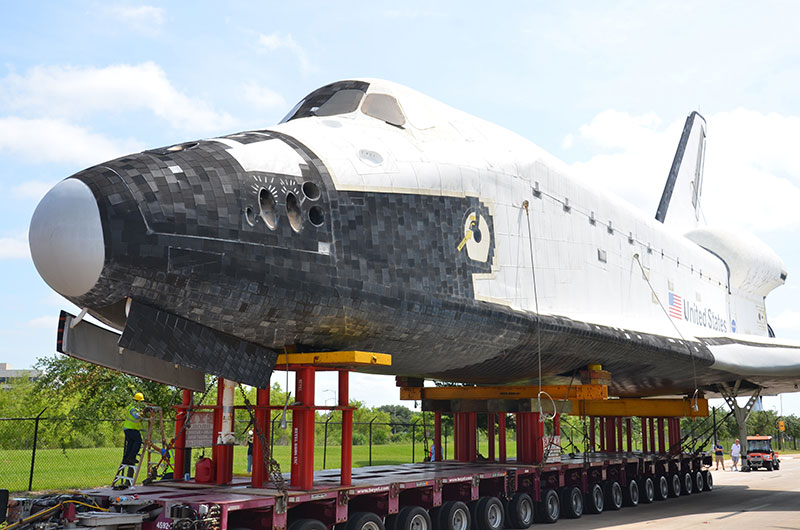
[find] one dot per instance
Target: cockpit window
(384, 107)
(337, 98)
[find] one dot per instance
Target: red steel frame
(303, 416)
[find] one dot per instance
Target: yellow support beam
(334, 359)
(627, 407)
(557, 392)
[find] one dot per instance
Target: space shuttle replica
(375, 218)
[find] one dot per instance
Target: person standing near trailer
(250, 452)
(719, 455)
(736, 451)
(133, 430)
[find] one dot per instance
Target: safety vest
(133, 418)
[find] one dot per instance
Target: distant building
(7, 375)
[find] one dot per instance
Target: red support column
(501, 428)
(611, 435)
(651, 422)
(464, 436)
(347, 429)
(262, 425)
(602, 427)
(644, 434)
(456, 434)
(628, 430)
(537, 437)
(472, 439)
(303, 430)
(618, 421)
(592, 444)
(557, 424)
(661, 443)
(180, 439)
(223, 453)
(437, 436)
(490, 432)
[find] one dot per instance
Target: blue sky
(604, 86)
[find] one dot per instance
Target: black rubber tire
(613, 496)
(364, 521)
(595, 499)
(630, 494)
(662, 488)
(675, 485)
(549, 509)
(697, 482)
(520, 511)
(413, 518)
(489, 514)
(452, 515)
(307, 524)
(768, 466)
(708, 482)
(571, 502)
(472, 506)
(686, 484)
(776, 465)
(647, 490)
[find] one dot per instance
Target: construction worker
(133, 430)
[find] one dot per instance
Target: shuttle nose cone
(66, 238)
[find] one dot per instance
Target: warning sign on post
(200, 432)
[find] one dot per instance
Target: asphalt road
(752, 501)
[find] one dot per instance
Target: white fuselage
(596, 258)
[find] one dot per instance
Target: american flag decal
(675, 306)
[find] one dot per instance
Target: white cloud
(146, 19)
(69, 93)
(274, 42)
(749, 166)
(14, 247)
(50, 140)
(262, 97)
(32, 189)
(786, 323)
(43, 322)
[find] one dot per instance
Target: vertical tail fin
(684, 185)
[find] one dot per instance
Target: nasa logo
(733, 326)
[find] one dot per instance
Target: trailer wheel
(453, 515)
(776, 465)
(489, 514)
(549, 509)
(520, 511)
(572, 502)
(768, 466)
(686, 484)
(697, 482)
(708, 483)
(647, 491)
(364, 521)
(595, 499)
(675, 485)
(413, 518)
(614, 496)
(662, 491)
(307, 524)
(630, 495)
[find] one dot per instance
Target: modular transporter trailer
(467, 493)
(445, 495)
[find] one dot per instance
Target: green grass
(58, 469)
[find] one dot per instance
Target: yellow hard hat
(138, 396)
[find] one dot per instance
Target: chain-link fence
(48, 453)
(43, 453)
